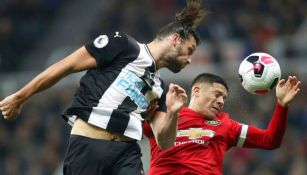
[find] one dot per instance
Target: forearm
(164, 125)
(42, 81)
(270, 138)
(165, 130)
(168, 131)
(77, 61)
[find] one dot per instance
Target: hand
(287, 90)
(176, 97)
(10, 107)
(151, 109)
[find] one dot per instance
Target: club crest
(213, 122)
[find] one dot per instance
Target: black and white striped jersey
(113, 95)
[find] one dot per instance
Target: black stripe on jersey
(149, 75)
(144, 90)
(120, 117)
(162, 100)
(152, 68)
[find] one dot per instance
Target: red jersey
(200, 144)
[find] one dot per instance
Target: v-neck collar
(149, 53)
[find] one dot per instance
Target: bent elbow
(274, 145)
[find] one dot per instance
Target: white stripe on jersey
(242, 136)
(100, 117)
(143, 61)
(133, 129)
(71, 120)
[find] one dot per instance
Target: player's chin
(213, 113)
(175, 70)
(211, 116)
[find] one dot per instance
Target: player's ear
(176, 39)
(195, 90)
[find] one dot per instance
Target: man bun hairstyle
(186, 22)
(191, 15)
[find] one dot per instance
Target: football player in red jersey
(205, 133)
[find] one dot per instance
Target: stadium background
(36, 33)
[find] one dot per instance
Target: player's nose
(189, 60)
(220, 101)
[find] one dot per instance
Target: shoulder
(125, 39)
(128, 44)
(226, 119)
(223, 115)
(118, 38)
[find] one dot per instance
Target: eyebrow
(220, 93)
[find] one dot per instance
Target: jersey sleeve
(162, 100)
(271, 137)
(106, 47)
(235, 133)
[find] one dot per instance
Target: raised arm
(164, 125)
(77, 61)
(271, 137)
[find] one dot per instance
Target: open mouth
(216, 109)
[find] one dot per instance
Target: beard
(174, 65)
(173, 62)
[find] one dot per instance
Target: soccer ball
(259, 73)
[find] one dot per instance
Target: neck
(191, 106)
(157, 49)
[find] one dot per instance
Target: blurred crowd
(257, 25)
(22, 24)
(34, 144)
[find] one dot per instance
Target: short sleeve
(162, 100)
(106, 47)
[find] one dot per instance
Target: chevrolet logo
(194, 133)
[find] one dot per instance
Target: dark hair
(186, 22)
(209, 78)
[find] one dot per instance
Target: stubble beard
(172, 62)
